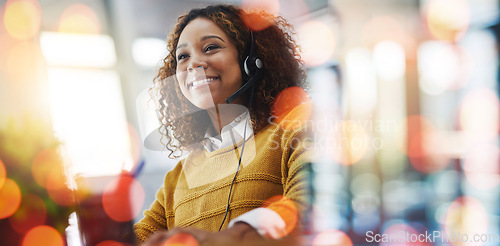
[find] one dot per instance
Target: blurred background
(406, 117)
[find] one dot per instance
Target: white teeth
(201, 82)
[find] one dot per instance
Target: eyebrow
(211, 36)
(202, 39)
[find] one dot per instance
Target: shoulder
(173, 175)
(296, 122)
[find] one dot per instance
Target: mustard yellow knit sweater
(195, 192)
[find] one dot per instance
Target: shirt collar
(231, 133)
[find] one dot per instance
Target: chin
(203, 102)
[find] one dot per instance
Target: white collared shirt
(231, 133)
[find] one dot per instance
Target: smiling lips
(201, 82)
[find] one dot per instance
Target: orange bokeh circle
(47, 165)
(22, 19)
(110, 243)
(123, 198)
(423, 144)
(3, 174)
(79, 18)
(448, 20)
(332, 237)
(259, 14)
(181, 239)
(286, 209)
(292, 108)
(43, 236)
(10, 195)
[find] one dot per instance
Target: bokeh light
(61, 194)
(350, 142)
(286, 209)
(389, 58)
(110, 243)
(43, 236)
(365, 182)
(3, 174)
(317, 41)
(361, 81)
(122, 198)
(292, 108)
(10, 195)
(383, 28)
(6, 43)
(366, 202)
(423, 145)
(47, 167)
(442, 67)
(79, 18)
(332, 237)
(481, 166)
(48, 172)
(180, 239)
(22, 18)
(259, 14)
(479, 114)
(365, 190)
(448, 20)
(465, 216)
(22, 60)
(32, 212)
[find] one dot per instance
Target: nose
(197, 62)
(191, 69)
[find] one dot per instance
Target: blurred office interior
(405, 113)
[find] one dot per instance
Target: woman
(244, 177)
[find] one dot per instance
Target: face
(208, 69)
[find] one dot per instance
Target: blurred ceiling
(154, 18)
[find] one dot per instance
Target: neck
(223, 114)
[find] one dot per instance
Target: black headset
(253, 68)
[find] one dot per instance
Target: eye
(211, 47)
(182, 56)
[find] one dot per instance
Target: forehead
(197, 29)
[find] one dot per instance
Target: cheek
(232, 68)
(179, 75)
(236, 71)
(179, 79)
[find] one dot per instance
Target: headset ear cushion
(246, 66)
(251, 65)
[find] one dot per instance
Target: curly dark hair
(274, 45)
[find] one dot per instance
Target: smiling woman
(208, 69)
(242, 179)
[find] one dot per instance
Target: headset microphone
(245, 87)
(253, 68)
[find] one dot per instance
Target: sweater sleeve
(297, 157)
(154, 219)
